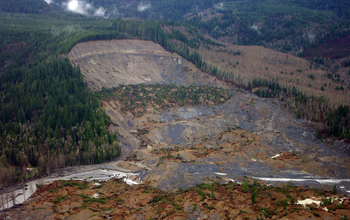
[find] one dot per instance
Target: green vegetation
(47, 114)
(338, 122)
(48, 117)
(282, 29)
(245, 185)
(334, 190)
(88, 200)
(267, 213)
(38, 208)
(254, 195)
(136, 98)
(194, 207)
(200, 192)
(79, 185)
(24, 6)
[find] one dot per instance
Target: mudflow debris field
(179, 146)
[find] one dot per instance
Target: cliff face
(110, 63)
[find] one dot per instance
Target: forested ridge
(50, 119)
(287, 26)
(24, 6)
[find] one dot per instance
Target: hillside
(173, 124)
(111, 63)
(183, 100)
(309, 89)
(35, 47)
(243, 64)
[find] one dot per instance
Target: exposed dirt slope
(110, 63)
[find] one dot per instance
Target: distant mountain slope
(25, 6)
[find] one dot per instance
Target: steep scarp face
(175, 145)
(111, 63)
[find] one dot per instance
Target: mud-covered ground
(211, 200)
(240, 136)
(237, 139)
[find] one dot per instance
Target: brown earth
(244, 132)
(211, 200)
(110, 63)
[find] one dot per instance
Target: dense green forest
(50, 119)
(287, 26)
(176, 10)
(25, 6)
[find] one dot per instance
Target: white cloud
(255, 27)
(100, 12)
(84, 8)
(48, 1)
(219, 6)
(143, 6)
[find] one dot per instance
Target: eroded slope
(110, 63)
(180, 146)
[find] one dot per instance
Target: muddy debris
(212, 199)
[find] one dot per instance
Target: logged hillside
(244, 64)
(259, 63)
